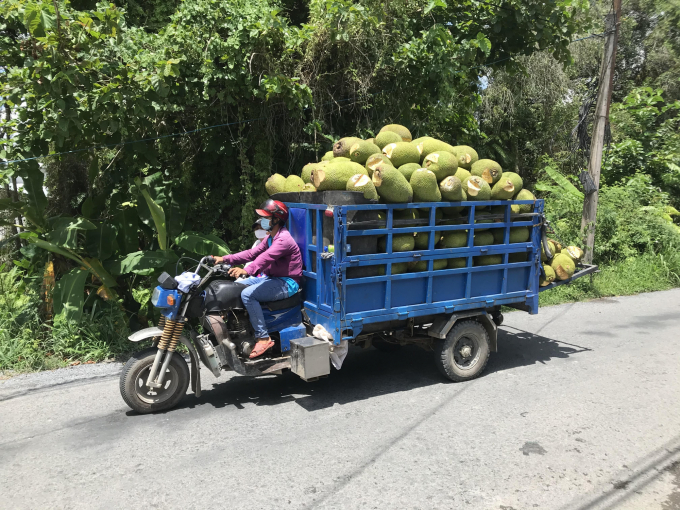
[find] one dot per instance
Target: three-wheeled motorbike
(218, 332)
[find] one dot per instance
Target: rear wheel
(465, 351)
(143, 399)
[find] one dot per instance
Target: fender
(143, 334)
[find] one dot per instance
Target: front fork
(172, 331)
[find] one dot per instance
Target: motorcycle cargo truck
(433, 274)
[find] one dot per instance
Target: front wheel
(463, 354)
(145, 400)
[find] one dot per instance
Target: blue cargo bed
(352, 288)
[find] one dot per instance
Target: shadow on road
(370, 373)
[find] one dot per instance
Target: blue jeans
(260, 289)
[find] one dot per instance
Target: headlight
(155, 296)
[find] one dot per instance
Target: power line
(197, 130)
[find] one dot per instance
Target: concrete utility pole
(600, 121)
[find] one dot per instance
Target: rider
(274, 273)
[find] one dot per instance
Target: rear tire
(465, 351)
(139, 397)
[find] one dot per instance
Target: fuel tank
(220, 295)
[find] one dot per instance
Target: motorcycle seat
(289, 302)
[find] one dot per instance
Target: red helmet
(274, 208)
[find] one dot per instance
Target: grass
(645, 273)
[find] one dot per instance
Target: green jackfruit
(397, 268)
(275, 184)
(430, 145)
(422, 240)
(517, 257)
(563, 266)
(371, 140)
(400, 130)
(405, 214)
(549, 276)
(488, 260)
(363, 183)
(334, 175)
(573, 252)
(466, 156)
(374, 160)
(341, 147)
(454, 239)
(517, 235)
(386, 138)
(309, 187)
(503, 189)
(306, 174)
(401, 153)
(360, 151)
(442, 163)
(293, 184)
(498, 235)
(328, 156)
(391, 185)
(457, 263)
(487, 169)
(508, 185)
(553, 251)
(558, 246)
(462, 175)
(452, 189)
(416, 141)
(408, 169)
(524, 194)
(421, 265)
(425, 186)
(400, 242)
(477, 188)
(483, 238)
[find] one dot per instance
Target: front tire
(465, 351)
(143, 399)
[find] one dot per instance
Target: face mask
(266, 224)
(260, 234)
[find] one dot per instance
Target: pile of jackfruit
(394, 168)
(561, 264)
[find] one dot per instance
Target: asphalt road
(578, 410)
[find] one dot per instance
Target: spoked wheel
(463, 354)
(143, 399)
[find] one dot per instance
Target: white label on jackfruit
(473, 189)
(420, 148)
(434, 157)
(354, 147)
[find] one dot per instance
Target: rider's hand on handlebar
(237, 272)
(216, 259)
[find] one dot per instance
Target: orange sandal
(261, 347)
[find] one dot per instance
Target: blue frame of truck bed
(343, 306)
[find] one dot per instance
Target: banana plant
(104, 242)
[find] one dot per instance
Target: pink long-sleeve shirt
(281, 259)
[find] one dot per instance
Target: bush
(632, 219)
(27, 342)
